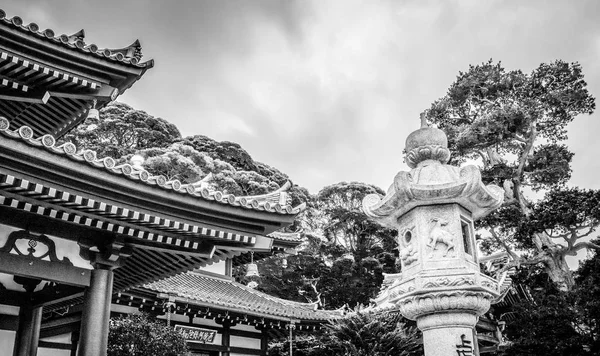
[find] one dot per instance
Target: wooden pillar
(36, 326)
(291, 327)
(93, 336)
(24, 331)
(30, 319)
(74, 341)
(264, 342)
(225, 338)
(28, 331)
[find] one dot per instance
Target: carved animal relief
(440, 239)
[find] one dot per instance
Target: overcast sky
(327, 90)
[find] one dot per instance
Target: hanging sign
(196, 334)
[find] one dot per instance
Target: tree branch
(520, 139)
(582, 245)
(512, 254)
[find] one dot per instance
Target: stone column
(93, 336)
(447, 318)
(448, 334)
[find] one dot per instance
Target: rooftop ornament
(433, 207)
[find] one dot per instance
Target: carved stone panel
(440, 240)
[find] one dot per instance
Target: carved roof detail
(277, 202)
(130, 55)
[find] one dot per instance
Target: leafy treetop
(122, 130)
(514, 124)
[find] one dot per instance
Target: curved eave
(43, 50)
(62, 172)
(468, 191)
(50, 40)
(207, 290)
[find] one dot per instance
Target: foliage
(587, 301)
(303, 345)
(325, 275)
(358, 334)
(226, 151)
(339, 216)
(550, 322)
(186, 163)
(514, 124)
(120, 130)
(141, 335)
(374, 334)
(344, 257)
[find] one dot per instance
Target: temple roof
(182, 226)
(130, 55)
(278, 202)
(205, 289)
(51, 82)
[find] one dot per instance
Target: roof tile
(48, 142)
(225, 293)
(130, 55)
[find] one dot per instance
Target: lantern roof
(432, 181)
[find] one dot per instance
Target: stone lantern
(433, 208)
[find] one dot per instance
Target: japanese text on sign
(196, 334)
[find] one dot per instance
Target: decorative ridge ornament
(432, 181)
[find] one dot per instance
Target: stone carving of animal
(438, 235)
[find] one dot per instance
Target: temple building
(83, 238)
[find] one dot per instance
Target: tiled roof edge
(306, 310)
(69, 150)
(130, 55)
(286, 236)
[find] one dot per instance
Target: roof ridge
(130, 55)
(68, 149)
(233, 295)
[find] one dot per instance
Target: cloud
(328, 90)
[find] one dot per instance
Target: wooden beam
(54, 345)
(59, 330)
(45, 270)
(60, 322)
(34, 98)
(46, 301)
(105, 92)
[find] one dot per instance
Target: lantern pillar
(433, 208)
